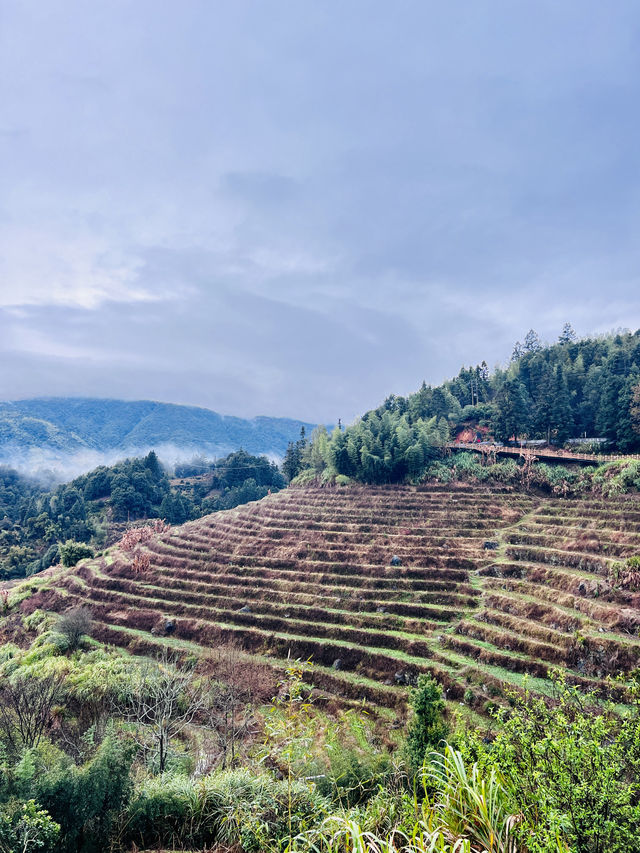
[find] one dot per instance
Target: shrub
(86, 800)
(572, 773)
(232, 807)
(25, 828)
(352, 778)
(73, 626)
(305, 478)
(427, 728)
(35, 621)
(72, 552)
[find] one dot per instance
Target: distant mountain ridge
(68, 425)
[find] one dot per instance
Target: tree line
(573, 389)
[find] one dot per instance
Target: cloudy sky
(296, 207)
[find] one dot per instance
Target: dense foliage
(236, 479)
(587, 389)
(82, 731)
(40, 527)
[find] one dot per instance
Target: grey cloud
(330, 202)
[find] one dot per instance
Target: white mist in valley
(51, 467)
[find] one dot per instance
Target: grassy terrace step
(358, 505)
(496, 677)
(520, 626)
(341, 539)
(366, 601)
(561, 615)
(562, 577)
(430, 592)
(357, 571)
(421, 604)
(514, 641)
(572, 537)
(587, 562)
(226, 539)
(347, 686)
(587, 545)
(609, 525)
(629, 514)
(487, 655)
(453, 568)
(414, 645)
(328, 614)
(557, 523)
(485, 652)
(573, 581)
(357, 502)
(313, 567)
(417, 505)
(372, 662)
(353, 582)
(577, 605)
(374, 555)
(285, 524)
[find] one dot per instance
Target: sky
(297, 207)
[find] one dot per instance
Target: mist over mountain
(71, 435)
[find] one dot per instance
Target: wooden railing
(542, 452)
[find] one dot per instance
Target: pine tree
(512, 413)
(532, 342)
(567, 335)
(291, 462)
(561, 417)
(627, 437)
(634, 408)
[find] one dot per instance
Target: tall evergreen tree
(561, 417)
(567, 335)
(532, 342)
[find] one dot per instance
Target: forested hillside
(573, 390)
(73, 424)
(35, 523)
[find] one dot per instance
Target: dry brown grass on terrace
(312, 565)
(527, 627)
(358, 619)
(512, 641)
(626, 620)
(583, 542)
(271, 583)
(374, 637)
(607, 515)
(480, 654)
(534, 611)
(558, 557)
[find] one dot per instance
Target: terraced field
(492, 586)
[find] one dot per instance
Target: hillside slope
(493, 585)
(70, 425)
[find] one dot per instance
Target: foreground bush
(469, 813)
(572, 773)
(84, 801)
(227, 808)
(24, 827)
